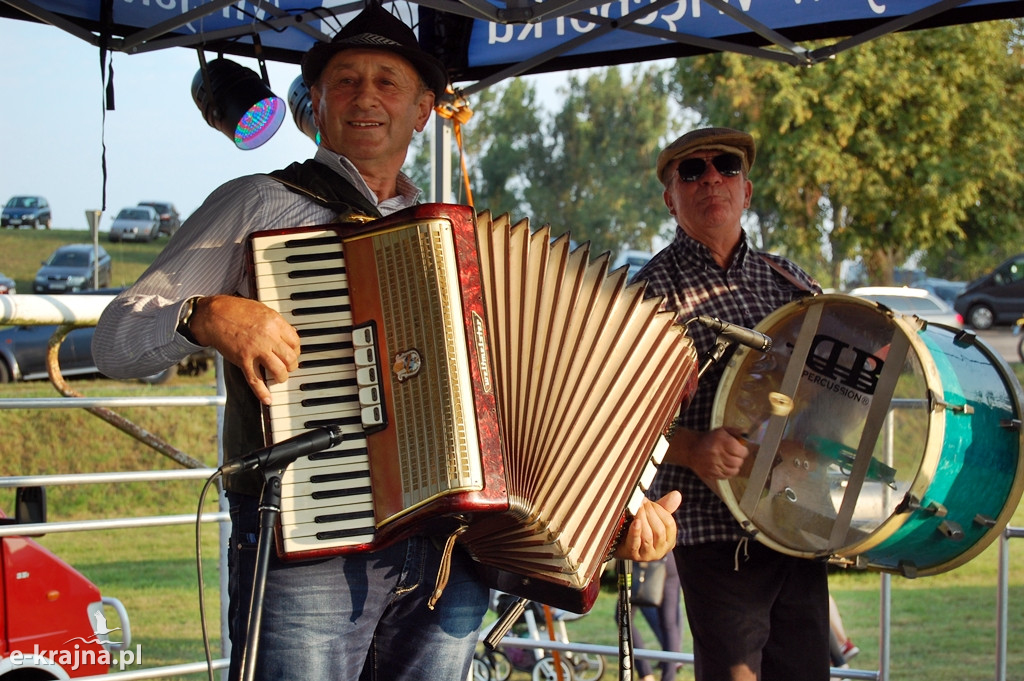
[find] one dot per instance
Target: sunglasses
(727, 165)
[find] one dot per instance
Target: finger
(278, 366)
(670, 502)
(258, 387)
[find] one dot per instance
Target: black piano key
(339, 454)
(318, 294)
(342, 517)
(324, 347)
(321, 478)
(314, 331)
(340, 493)
(323, 423)
(302, 242)
(330, 384)
(300, 312)
(319, 272)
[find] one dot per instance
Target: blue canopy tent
(485, 41)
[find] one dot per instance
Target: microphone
(286, 451)
(739, 334)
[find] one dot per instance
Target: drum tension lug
(908, 569)
(984, 520)
(1010, 424)
(960, 408)
(965, 338)
(909, 504)
(951, 530)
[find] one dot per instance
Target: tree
(592, 172)
(891, 149)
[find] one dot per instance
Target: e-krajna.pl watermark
(70, 659)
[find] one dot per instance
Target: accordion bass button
(372, 416)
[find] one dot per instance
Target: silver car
(135, 223)
(912, 301)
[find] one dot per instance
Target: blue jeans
(359, 616)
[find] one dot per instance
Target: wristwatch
(186, 317)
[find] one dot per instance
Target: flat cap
(722, 139)
(375, 28)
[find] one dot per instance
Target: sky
(53, 127)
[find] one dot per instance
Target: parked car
(7, 284)
(70, 269)
(994, 298)
(912, 301)
(169, 218)
(135, 223)
(943, 288)
(26, 211)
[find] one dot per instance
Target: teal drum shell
(875, 439)
(977, 482)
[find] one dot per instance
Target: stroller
(498, 664)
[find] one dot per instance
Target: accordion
(489, 381)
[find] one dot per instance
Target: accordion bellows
(588, 374)
(518, 395)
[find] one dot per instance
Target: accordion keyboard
(326, 497)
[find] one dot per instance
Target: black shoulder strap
(783, 272)
(326, 187)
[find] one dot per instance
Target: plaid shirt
(693, 284)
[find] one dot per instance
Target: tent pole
(441, 161)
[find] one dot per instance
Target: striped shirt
(136, 335)
(692, 283)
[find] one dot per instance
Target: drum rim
(930, 458)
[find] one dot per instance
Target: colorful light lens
(259, 123)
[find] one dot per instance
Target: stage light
(301, 106)
(236, 101)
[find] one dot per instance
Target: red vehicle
(52, 619)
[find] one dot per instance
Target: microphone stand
(270, 509)
(624, 578)
(714, 354)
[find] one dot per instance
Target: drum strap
(783, 272)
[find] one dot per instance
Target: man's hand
(652, 534)
(714, 455)
(250, 335)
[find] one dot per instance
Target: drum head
(814, 411)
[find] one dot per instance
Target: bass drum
(876, 439)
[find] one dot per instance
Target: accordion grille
(418, 309)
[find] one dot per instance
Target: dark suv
(26, 211)
(169, 218)
(996, 298)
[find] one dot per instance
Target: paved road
(1002, 340)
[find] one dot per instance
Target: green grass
(943, 627)
(23, 250)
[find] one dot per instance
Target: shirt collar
(696, 253)
(408, 193)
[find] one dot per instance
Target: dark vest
(243, 425)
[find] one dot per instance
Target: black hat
(377, 29)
